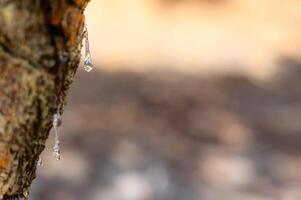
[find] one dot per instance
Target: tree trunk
(40, 43)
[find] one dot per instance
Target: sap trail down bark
(40, 43)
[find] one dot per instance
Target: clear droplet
(56, 150)
(88, 65)
(57, 121)
(40, 162)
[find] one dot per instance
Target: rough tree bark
(40, 44)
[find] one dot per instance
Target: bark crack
(30, 64)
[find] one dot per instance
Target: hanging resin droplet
(56, 150)
(88, 65)
(40, 162)
(57, 121)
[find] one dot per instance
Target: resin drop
(40, 162)
(88, 65)
(57, 121)
(56, 150)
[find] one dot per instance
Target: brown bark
(40, 44)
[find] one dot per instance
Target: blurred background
(189, 100)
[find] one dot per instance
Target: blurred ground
(191, 100)
(167, 136)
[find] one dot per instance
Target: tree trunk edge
(40, 42)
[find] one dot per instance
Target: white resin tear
(40, 162)
(88, 65)
(57, 121)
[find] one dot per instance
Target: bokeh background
(189, 100)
